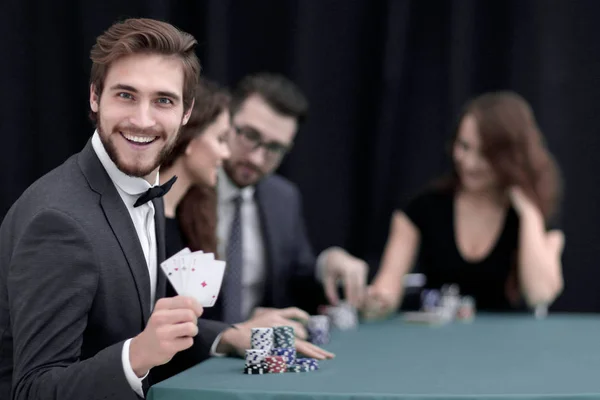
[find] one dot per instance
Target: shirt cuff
(213, 348)
(134, 381)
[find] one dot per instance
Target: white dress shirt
(129, 189)
(254, 267)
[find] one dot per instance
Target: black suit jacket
(290, 257)
(74, 286)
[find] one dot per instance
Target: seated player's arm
(398, 256)
(540, 267)
(52, 279)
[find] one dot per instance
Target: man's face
(256, 122)
(140, 111)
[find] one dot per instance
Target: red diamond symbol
(203, 284)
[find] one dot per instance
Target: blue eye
(164, 100)
(125, 95)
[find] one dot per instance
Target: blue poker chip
(311, 363)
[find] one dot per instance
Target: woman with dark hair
(195, 159)
(486, 226)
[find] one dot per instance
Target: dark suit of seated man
(83, 312)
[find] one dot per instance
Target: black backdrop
(386, 80)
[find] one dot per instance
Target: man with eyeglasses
(261, 230)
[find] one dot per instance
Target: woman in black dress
(487, 227)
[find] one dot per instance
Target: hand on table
(270, 317)
(239, 339)
(379, 303)
(350, 270)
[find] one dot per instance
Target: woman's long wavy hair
(514, 145)
(197, 211)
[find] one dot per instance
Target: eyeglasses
(251, 139)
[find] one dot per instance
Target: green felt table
(492, 357)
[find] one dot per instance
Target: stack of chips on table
(318, 329)
(343, 317)
(274, 351)
(449, 303)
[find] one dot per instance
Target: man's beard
(137, 171)
(229, 167)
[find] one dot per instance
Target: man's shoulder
(62, 189)
(277, 185)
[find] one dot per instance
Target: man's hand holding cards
(195, 274)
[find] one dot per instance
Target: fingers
(310, 350)
(294, 313)
(299, 329)
(331, 290)
(361, 286)
(355, 285)
(177, 302)
(349, 288)
(172, 332)
(375, 305)
(171, 317)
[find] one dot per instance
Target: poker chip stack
(262, 339)
(283, 336)
(276, 364)
(318, 329)
(343, 317)
(288, 354)
(304, 365)
(466, 309)
(448, 303)
(430, 299)
(274, 352)
(256, 362)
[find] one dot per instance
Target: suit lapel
(161, 250)
(120, 222)
(123, 228)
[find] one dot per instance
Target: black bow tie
(156, 191)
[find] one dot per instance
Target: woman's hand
(379, 303)
(521, 202)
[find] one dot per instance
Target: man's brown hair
(145, 36)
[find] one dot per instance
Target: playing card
(202, 277)
(205, 281)
(172, 268)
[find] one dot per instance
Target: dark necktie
(154, 192)
(232, 301)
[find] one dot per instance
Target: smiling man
(83, 306)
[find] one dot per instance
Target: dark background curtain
(386, 80)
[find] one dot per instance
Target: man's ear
(186, 116)
(94, 98)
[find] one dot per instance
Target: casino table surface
(492, 357)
